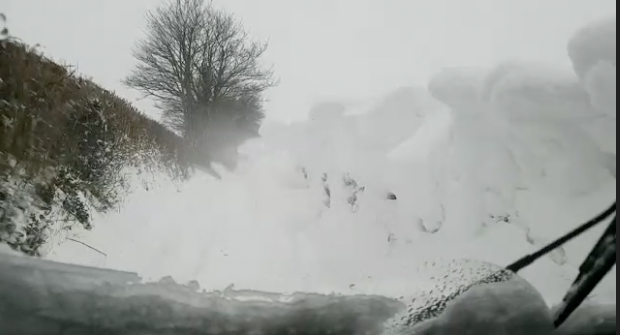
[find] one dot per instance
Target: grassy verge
(64, 142)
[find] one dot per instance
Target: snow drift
(486, 164)
(41, 298)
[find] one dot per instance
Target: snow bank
(593, 44)
(593, 53)
(459, 88)
(533, 91)
(516, 132)
(41, 297)
(394, 118)
(501, 304)
(487, 164)
(591, 319)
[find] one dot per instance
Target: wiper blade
(531, 258)
(599, 262)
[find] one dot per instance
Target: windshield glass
(343, 167)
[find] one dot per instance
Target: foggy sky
(351, 50)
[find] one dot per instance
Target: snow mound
(396, 116)
(590, 319)
(600, 83)
(46, 298)
(487, 163)
(593, 53)
(474, 297)
(458, 88)
(593, 44)
(326, 111)
(532, 91)
(500, 308)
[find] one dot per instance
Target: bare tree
(4, 31)
(204, 72)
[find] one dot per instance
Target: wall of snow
(486, 164)
(48, 298)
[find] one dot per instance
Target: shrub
(64, 142)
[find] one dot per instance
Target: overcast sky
(322, 49)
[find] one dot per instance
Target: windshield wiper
(599, 262)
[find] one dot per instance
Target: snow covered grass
(507, 164)
(64, 142)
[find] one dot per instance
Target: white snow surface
(487, 164)
(512, 307)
